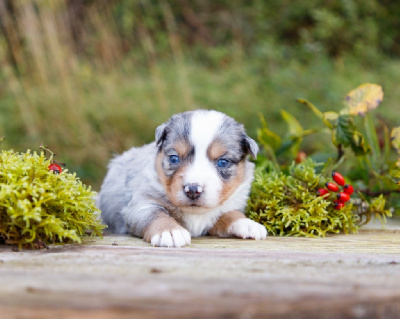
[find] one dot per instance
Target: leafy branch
(370, 157)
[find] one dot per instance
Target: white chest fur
(200, 222)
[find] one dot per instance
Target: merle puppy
(192, 181)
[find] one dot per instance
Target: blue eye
(223, 163)
(174, 159)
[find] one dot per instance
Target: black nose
(193, 191)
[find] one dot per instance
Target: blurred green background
(92, 78)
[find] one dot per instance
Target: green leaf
(291, 145)
(268, 138)
(364, 98)
(378, 207)
(395, 138)
(386, 147)
(395, 173)
(292, 141)
(311, 106)
(344, 130)
(327, 117)
(308, 132)
(347, 135)
(330, 119)
(294, 127)
(372, 138)
(358, 144)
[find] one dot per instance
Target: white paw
(247, 228)
(175, 238)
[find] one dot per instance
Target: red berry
(338, 178)
(343, 197)
(322, 192)
(332, 187)
(338, 205)
(55, 168)
(348, 189)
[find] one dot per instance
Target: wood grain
(353, 276)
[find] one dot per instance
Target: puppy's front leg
(164, 231)
(234, 223)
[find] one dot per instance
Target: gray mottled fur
(131, 180)
(131, 195)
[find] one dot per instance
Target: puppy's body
(132, 190)
(193, 180)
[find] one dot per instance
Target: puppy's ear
(251, 146)
(161, 133)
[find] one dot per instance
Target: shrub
(286, 200)
(288, 204)
(38, 207)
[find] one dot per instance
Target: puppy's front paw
(174, 238)
(247, 228)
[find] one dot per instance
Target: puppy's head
(201, 158)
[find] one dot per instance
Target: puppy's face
(201, 158)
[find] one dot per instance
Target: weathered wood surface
(353, 276)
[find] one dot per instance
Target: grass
(112, 111)
(87, 109)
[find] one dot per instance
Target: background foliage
(90, 78)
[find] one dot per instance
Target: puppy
(192, 181)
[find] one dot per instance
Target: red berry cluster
(342, 196)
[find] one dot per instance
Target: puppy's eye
(174, 159)
(223, 163)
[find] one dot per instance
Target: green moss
(38, 207)
(288, 205)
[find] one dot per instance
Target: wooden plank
(353, 276)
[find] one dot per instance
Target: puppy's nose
(193, 191)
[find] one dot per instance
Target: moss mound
(39, 207)
(287, 204)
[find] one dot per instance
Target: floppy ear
(251, 146)
(161, 133)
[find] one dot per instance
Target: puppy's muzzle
(193, 191)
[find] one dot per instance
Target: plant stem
(47, 150)
(340, 152)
